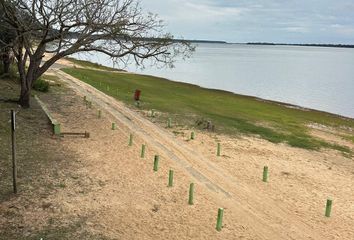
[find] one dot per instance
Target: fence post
(156, 163)
(265, 174)
(130, 139)
(192, 135)
(142, 155)
(328, 208)
(14, 163)
(219, 220)
(191, 194)
(170, 178)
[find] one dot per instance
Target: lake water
(312, 77)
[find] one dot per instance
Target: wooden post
(130, 139)
(191, 194)
(156, 163)
(142, 155)
(14, 163)
(328, 208)
(218, 150)
(170, 178)
(265, 174)
(219, 220)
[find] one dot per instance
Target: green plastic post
(219, 220)
(265, 174)
(328, 208)
(142, 155)
(113, 126)
(152, 113)
(170, 178)
(169, 123)
(156, 163)
(99, 113)
(130, 139)
(191, 194)
(218, 150)
(56, 128)
(107, 88)
(192, 135)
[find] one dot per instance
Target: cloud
(258, 20)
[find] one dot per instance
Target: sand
(125, 199)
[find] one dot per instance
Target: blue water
(311, 77)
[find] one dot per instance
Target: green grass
(231, 113)
(88, 64)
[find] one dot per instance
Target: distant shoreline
(303, 45)
(274, 44)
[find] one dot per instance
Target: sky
(282, 21)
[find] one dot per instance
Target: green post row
(265, 174)
(328, 208)
(218, 150)
(113, 126)
(169, 123)
(142, 155)
(192, 135)
(130, 139)
(156, 163)
(219, 220)
(99, 113)
(191, 194)
(170, 178)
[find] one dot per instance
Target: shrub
(41, 85)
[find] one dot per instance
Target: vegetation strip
(231, 113)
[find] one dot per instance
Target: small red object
(137, 95)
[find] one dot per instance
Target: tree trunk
(24, 100)
(26, 87)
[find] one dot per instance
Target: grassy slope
(231, 113)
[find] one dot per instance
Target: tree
(117, 28)
(6, 37)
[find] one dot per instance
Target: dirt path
(251, 206)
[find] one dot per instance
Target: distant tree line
(303, 44)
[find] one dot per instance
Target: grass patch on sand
(230, 113)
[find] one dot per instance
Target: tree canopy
(117, 28)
